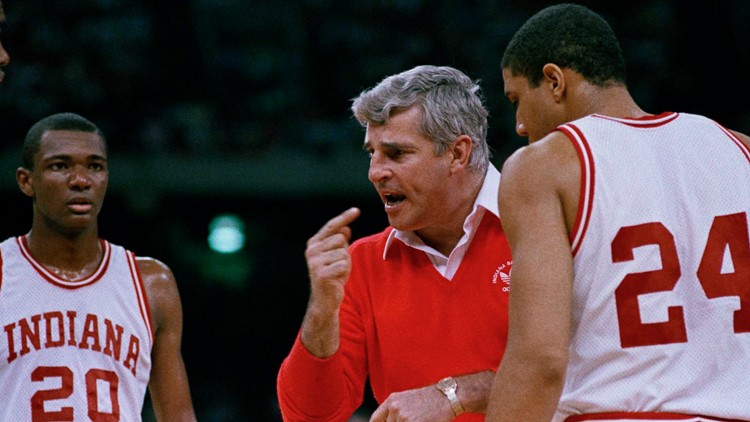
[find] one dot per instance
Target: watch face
(447, 383)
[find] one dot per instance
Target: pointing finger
(336, 224)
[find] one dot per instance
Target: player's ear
(23, 177)
(554, 78)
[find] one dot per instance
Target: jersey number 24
(728, 233)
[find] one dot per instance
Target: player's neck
(71, 257)
(611, 101)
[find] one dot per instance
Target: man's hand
(430, 405)
(328, 265)
(425, 404)
(328, 260)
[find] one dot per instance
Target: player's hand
(328, 261)
(425, 404)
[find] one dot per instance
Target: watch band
(448, 386)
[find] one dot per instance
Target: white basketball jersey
(661, 295)
(72, 351)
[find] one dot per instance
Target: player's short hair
(450, 103)
(570, 36)
(59, 121)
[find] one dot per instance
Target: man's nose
(79, 177)
(4, 56)
(521, 129)
(378, 168)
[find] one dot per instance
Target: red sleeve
(331, 390)
(309, 388)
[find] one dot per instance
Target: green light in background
(226, 234)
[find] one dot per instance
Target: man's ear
(554, 78)
(23, 177)
(461, 152)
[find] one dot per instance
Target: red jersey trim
(140, 292)
(651, 416)
(60, 282)
(741, 145)
(645, 121)
(586, 196)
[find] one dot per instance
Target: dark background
(232, 106)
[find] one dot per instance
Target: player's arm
(530, 377)
(168, 386)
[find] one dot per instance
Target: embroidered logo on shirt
(502, 273)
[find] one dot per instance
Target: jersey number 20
(39, 414)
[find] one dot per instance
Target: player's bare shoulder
(552, 161)
(160, 285)
(744, 138)
(545, 170)
(155, 274)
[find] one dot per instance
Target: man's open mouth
(392, 199)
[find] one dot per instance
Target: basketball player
(85, 325)
(630, 293)
(4, 57)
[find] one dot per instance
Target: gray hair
(450, 102)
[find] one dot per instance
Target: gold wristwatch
(448, 386)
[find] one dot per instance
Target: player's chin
(77, 222)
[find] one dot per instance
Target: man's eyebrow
(386, 145)
(64, 156)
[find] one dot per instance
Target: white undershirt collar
(448, 265)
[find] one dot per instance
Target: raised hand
(328, 265)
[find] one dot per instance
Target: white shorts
(645, 417)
